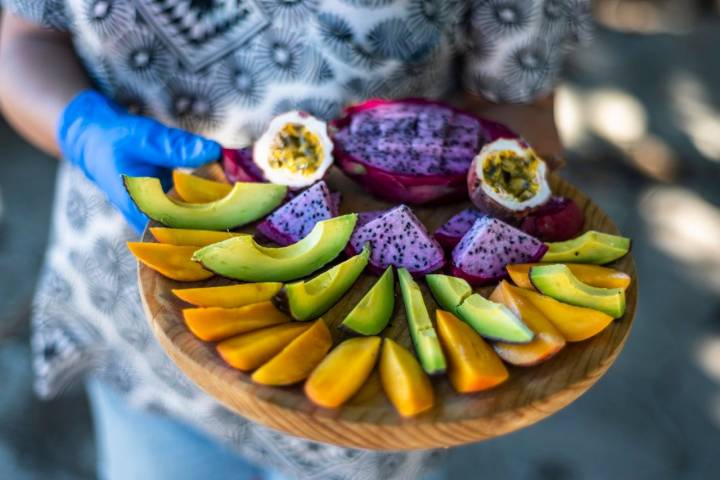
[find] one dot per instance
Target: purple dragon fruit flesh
(490, 245)
(335, 201)
(295, 219)
(398, 238)
(454, 229)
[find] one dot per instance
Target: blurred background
(639, 112)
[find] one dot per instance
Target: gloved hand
(105, 141)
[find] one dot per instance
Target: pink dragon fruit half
(239, 166)
(411, 151)
(398, 238)
(452, 231)
(295, 219)
(489, 246)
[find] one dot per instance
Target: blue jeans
(138, 445)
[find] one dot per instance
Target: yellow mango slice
(548, 340)
(473, 365)
(231, 296)
(575, 323)
(405, 382)
(341, 374)
(296, 361)
(593, 275)
(194, 189)
(182, 236)
(212, 324)
(172, 261)
(250, 350)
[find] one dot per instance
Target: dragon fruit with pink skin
(239, 166)
(412, 151)
(398, 238)
(559, 219)
(489, 246)
(450, 233)
(295, 219)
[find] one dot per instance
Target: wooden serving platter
(369, 420)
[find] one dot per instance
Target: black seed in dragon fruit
(411, 151)
(398, 238)
(489, 246)
(454, 229)
(295, 219)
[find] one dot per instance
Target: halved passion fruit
(507, 179)
(295, 150)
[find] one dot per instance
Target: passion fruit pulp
(296, 149)
(505, 171)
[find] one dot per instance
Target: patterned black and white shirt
(223, 68)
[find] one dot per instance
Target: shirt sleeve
(46, 13)
(516, 48)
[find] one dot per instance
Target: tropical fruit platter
(406, 276)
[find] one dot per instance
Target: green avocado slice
(558, 282)
(241, 258)
(372, 314)
(309, 299)
(493, 321)
(449, 292)
(422, 331)
(245, 203)
(590, 247)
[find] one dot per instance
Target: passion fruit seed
(508, 173)
(296, 149)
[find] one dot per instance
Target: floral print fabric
(223, 68)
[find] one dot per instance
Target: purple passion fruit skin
(508, 180)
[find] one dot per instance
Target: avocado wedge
(558, 282)
(493, 321)
(245, 203)
(590, 247)
(241, 258)
(421, 328)
(449, 292)
(306, 300)
(372, 314)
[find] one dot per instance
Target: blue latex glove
(105, 141)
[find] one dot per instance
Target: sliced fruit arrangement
(473, 365)
(230, 296)
(372, 314)
(404, 381)
(309, 299)
(250, 350)
(547, 340)
(216, 323)
(193, 189)
(341, 374)
(294, 220)
(241, 258)
(452, 231)
(489, 246)
(590, 247)
(558, 282)
(245, 203)
(194, 238)
(400, 239)
(507, 179)
(593, 275)
(172, 261)
(298, 359)
(421, 328)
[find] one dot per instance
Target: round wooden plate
(369, 420)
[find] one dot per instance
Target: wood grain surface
(369, 420)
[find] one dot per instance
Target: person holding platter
(141, 87)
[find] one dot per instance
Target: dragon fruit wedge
(411, 151)
(398, 238)
(294, 220)
(454, 229)
(335, 201)
(490, 245)
(239, 166)
(557, 220)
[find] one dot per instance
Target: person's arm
(40, 74)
